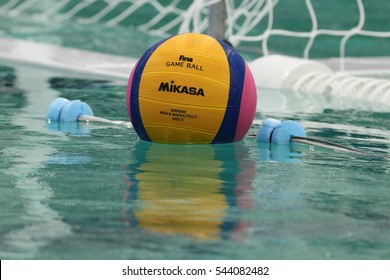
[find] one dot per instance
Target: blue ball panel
(134, 103)
(227, 130)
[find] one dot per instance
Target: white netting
(262, 25)
(300, 28)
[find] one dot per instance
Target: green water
(93, 191)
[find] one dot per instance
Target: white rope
(314, 28)
(103, 12)
(54, 9)
(77, 8)
(22, 7)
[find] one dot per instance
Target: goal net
(308, 29)
(304, 28)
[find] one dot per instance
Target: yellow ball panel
(203, 57)
(174, 124)
(185, 91)
(182, 88)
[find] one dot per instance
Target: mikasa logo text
(171, 87)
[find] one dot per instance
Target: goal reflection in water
(201, 191)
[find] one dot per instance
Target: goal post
(217, 19)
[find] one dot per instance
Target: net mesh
(299, 28)
(302, 28)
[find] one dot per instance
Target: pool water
(95, 191)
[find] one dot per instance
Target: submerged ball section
(191, 88)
